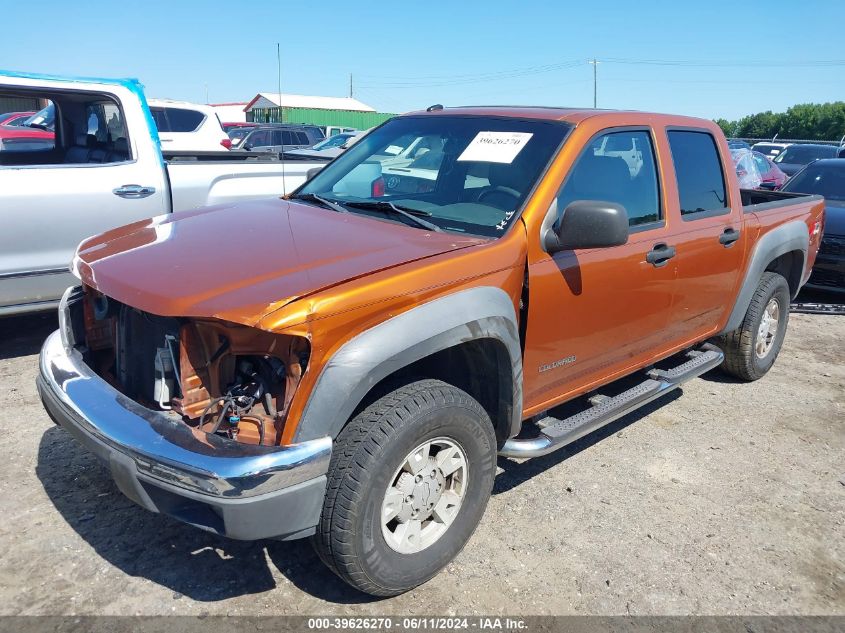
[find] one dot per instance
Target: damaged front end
(220, 378)
(187, 414)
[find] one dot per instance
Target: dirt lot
(723, 498)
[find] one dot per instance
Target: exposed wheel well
(481, 367)
(790, 266)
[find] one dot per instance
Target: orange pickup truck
(346, 363)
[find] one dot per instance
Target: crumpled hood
(241, 261)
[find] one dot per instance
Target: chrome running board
(557, 433)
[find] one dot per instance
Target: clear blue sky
(736, 58)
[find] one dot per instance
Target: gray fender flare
(371, 356)
(792, 236)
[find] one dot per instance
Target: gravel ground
(721, 498)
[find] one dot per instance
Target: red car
(35, 136)
(773, 177)
(14, 118)
(21, 139)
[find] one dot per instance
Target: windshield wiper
(406, 212)
(329, 204)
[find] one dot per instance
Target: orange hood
(239, 262)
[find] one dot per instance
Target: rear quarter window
(698, 169)
(182, 120)
(177, 119)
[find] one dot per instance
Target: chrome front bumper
(240, 490)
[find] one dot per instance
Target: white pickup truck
(95, 163)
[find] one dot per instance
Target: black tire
(366, 455)
(741, 359)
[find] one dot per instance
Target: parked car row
(274, 137)
(768, 165)
(88, 163)
(181, 127)
(293, 138)
(803, 168)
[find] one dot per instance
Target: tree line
(816, 121)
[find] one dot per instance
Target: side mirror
(586, 224)
(247, 147)
(312, 172)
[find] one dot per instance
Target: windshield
(827, 179)
(803, 154)
(335, 141)
(768, 150)
(238, 133)
(463, 173)
(44, 118)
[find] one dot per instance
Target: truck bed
(754, 200)
(199, 179)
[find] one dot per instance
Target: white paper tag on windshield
(495, 147)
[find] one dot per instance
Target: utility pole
(595, 64)
(279, 64)
(350, 85)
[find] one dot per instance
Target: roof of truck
(548, 113)
(128, 82)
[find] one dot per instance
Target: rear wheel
(751, 349)
(409, 481)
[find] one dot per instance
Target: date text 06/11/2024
(418, 624)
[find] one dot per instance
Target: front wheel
(409, 480)
(751, 350)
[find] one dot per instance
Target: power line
(724, 64)
(431, 81)
(453, 76)
(470, 79)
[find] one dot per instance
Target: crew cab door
(593, 313)
(709, 239)
(98, 168)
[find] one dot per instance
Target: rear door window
(698, 169)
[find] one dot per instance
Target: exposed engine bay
(218, 377)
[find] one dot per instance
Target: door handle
(660, 254)
(728, 237)
(133, 191)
